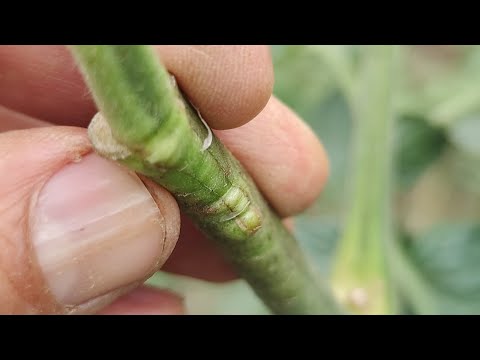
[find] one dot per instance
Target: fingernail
(95, 228)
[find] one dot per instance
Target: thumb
(76, 231)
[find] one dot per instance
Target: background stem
(361, 273)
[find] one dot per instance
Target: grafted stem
(147, 124)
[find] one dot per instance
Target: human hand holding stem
(147, 124)
(65, 162)
(71, 241)
(218, 194)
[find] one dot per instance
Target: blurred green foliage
(437, 173)
(418, 144)
(447, 257)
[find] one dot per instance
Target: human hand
(81, 234)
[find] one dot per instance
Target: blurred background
(434, 191)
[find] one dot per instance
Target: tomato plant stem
(361, 273)
(147, 124)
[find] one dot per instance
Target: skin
(232, 87)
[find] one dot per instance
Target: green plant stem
(148, 125)
(360, 273)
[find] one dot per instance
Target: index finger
(231, 84)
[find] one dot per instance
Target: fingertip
(229, 84)
(300, 185)
(315, 170)
(44, 82)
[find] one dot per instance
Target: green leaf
(448, 259)
(418, 144)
